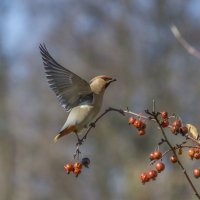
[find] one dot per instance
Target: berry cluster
(155, 155)
(160, 166)
(176, 126)
(164, 122)
(139, 124)
(152, 174)
(147, 176)
(77, 166)
(194, 153)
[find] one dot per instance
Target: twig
(93, 125)
(169, 150)
(123, 112)
(194, 140)
(191, 50)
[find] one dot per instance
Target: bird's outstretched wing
(70, 89)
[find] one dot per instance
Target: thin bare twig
(169, 150)
(123, 112)
(93, 125)
(189, 48)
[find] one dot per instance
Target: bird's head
(99, 83)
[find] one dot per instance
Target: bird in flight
(81, 99)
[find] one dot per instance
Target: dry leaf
(193, 131)
(180, 151)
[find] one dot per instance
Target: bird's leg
(80, 141)
(92, 125)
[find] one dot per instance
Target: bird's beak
(109, 82)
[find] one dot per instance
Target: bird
(81, 99)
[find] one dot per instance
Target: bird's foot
(80, 141)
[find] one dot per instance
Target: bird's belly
(82, 115)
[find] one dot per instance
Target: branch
(122, 112)
(153, 116)
(191, 50)
(174, 152)
(93, 125)
(169, 150)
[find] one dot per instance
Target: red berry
(174, 129)
(151, 156)
(177, 123)
(131, 120)
(69, 168)
(191, 153)
(164, 115)
(138, 123)
(77, 171)
(165, 123)
(157, 154)
(196, 173)
(197, 156)
(144, 177)
(197, 149)
(173, 159)
(77, 165)
(152, 174)
(184, 130)
(160, 166)
(141, 132)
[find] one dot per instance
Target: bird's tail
(66, 131)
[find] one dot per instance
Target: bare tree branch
(191, 50)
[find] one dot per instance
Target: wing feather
(70, 89)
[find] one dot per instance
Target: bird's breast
(82, 115)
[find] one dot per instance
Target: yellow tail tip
(56, 138)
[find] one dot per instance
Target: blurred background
(129, 40)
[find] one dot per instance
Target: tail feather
(66, 131)
(55, 139)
